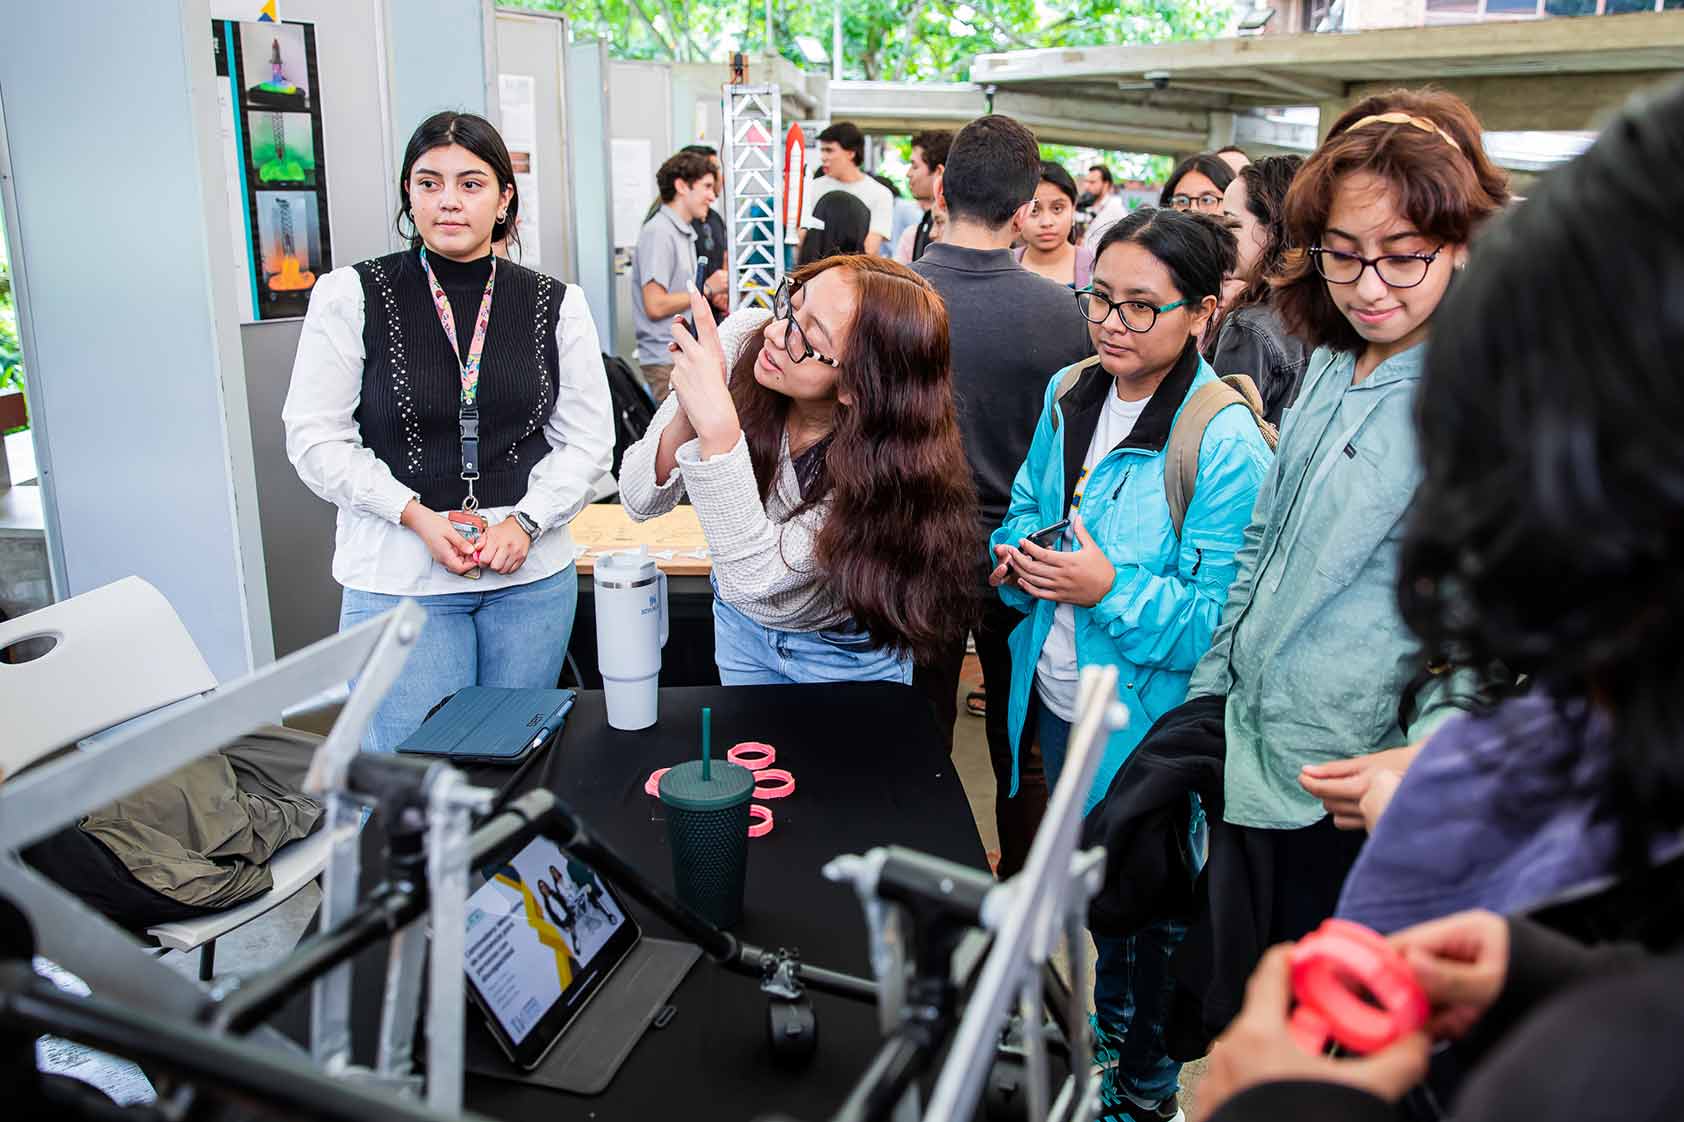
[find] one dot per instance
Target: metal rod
(288, 1086)
(901, 1059)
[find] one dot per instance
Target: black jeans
(1016, 818)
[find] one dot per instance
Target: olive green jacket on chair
(1311, 652)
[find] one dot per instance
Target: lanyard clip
(470, 443)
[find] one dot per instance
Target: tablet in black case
(485, 724)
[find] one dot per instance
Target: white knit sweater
(763, 562)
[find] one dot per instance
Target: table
(606, 528)
(871, 770)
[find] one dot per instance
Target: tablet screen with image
(544, 931)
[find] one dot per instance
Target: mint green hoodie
(1311, 651)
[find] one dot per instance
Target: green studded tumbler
(707, 830)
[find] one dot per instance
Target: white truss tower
(754, 193)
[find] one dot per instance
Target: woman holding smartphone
(403, 355)
(1130, 588)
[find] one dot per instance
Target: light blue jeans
(750, 654)
(515, 638)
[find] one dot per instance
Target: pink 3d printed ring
(653, 787)
(762, 827)
(753, 755)
(773, 783)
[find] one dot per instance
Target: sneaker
(1115, 1104)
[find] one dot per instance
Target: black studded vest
(411, 388)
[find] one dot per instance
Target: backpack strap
(1181, 454)
(1068, 382)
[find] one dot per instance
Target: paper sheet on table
(123, 1081)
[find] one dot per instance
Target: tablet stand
(594, 1046)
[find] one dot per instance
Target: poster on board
(272, 144)
(518, 102)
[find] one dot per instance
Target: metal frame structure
(114, 964)
(916, 907)
(754, 193)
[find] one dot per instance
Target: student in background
(908, 214)
(1234, 156)
(666, 263)
(1107, 206)
(394, 352)
(1010, 328)
(923, 176)
(841, 225)
(711, 237)
(1250, 337)
(1049, 231)
(1197, 184)
(842, 161)
(1125, 586)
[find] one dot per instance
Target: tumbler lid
(684, 788)
(628, 565)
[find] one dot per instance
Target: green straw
(707, 744)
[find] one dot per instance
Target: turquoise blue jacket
(1164, 605)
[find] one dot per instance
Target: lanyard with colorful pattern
(469, 412)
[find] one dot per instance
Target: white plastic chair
(121, 652)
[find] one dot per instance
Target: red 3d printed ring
(773, 783)
(1329, 965)
(753, 755)
(653, 787)
(760, 823)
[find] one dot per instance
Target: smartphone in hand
(1047, 536)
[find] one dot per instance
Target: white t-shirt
(867, 190)
(1110, 212)
(1055, 672)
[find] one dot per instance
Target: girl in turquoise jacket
(1129, 583)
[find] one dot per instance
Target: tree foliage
(883, 40)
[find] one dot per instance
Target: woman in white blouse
(820, 448)
(453, 406)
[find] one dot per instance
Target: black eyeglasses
(1204, 202)
(1395, 270)
(1136, 315)
(783, 307)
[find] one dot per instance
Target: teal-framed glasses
(1136, 315)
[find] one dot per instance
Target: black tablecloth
(870, 770)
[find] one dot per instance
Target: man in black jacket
(1011, 332)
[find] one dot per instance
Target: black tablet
(543, 934)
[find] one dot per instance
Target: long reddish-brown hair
(900, 544)
(1446, 190)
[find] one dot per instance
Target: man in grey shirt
(1011, 332)
(664, 266)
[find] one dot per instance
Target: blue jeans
(750, 654)
(514, 638)
(1132, 985)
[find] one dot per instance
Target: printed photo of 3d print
(283, 149)
(290, 248)
(273, 64)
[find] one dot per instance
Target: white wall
(437, 50)
(134, 352)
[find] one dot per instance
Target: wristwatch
(533, 530)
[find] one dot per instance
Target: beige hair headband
(1397, 118)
